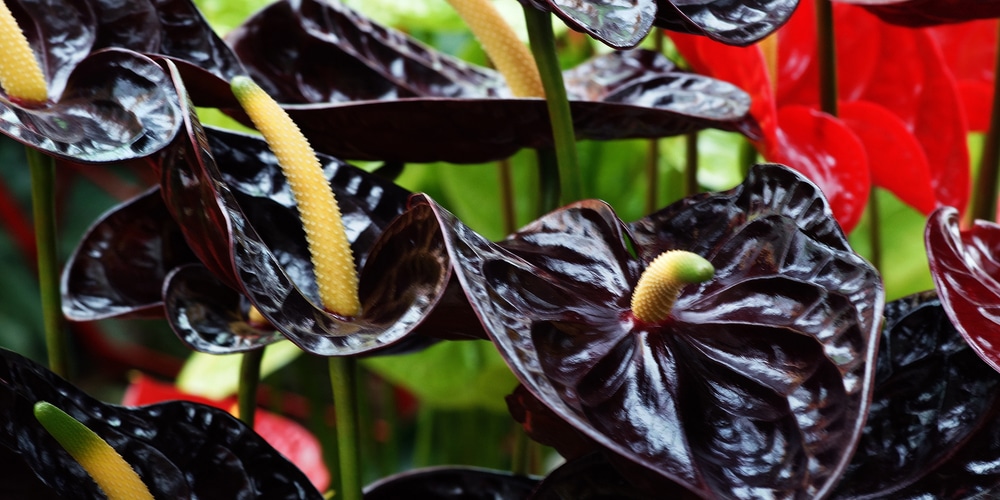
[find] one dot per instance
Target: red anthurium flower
(894, 91)
(288, 437)
(969, 50)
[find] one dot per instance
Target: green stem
(827, 57)
(691, 164)
(548, 180)
(249, 381)
(508, 212)
(44, 208)
(874, 230)
(543, 46)
(984, 201)
(521, 454)
(343, 375)
(748, 156)
(653, 153)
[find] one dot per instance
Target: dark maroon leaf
(237, 213)
(116, 105)
(592, 477)
(179, 449)
(119, 266)
(622, 25)
(964, 265)
(933, 424)
(334, 69)
(916, 13)
(758, 383)
(465, 483)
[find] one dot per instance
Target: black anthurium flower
(179, 449)
(332, 69)
(442, 483)
(933, 429)
(108, 101)
(623, 24)
(233, 239)
(757, 383)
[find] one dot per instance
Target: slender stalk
(521, 453)
(43, 204)
(874, 230)
(508, 212)
(827, 57)
(249, 381)
(984, 200)
(543, 46)
(748, 156)
(343, 376)
(653, 153)
(548, 180)
(691, 164)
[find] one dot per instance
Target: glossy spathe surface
(932, 428)
(108, 100)
(623, 24)
(964, 266)
(759, 382)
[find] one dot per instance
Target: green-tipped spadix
(661, 283)
(20, 75)
(331, 255)
(110, 471)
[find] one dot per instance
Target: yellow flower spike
(328, 246)
(661, 283)
(510, 56)
(20, 75)
(110, 471)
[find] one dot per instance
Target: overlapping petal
(334, 70)
(932, 427)
(179, 449)
(759, 382)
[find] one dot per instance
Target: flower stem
(984, 201)
(543, 46)
(548, 180)
(343, 375)
(653, 150)
(249, 381)
(508, 210)
(827, 57)
(691, 164)
(43, 203)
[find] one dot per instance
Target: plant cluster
(729, 344)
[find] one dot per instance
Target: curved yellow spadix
(661, 283)
(328, 246)
(20, 75)
(510, 56)
(110, 471)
